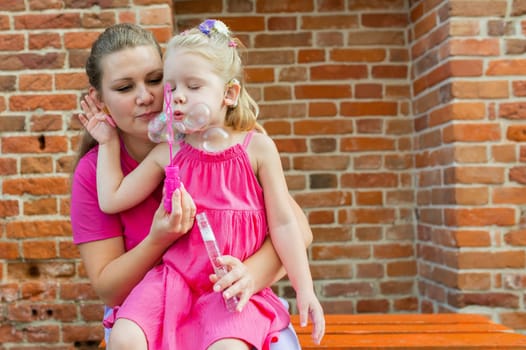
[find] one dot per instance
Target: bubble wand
(171, 171)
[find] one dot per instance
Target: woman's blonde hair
(213, 40)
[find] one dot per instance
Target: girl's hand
(237, 282)
(99, 124)
(169, 227)
(309, 307)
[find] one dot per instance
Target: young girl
(233, 186)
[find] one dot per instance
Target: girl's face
(132, 89)
(194, 81)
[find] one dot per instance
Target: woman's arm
(114, 272)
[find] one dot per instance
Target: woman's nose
(144, 95)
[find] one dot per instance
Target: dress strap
(247, 139)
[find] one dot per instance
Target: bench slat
(416, 341)
(404, 328)
(411, 332)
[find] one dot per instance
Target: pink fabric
(174, 304)
(89, 223)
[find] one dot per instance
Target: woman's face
(132, 89)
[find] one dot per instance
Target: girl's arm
(118, 192)
(285, 232)
(113, 272)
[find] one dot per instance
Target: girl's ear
(233, 89)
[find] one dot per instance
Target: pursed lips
(149, 115)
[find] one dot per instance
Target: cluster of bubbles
(196, 120)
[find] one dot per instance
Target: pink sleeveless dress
(174, 304)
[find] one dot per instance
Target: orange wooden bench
(411, 332)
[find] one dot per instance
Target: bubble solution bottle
(213, 253)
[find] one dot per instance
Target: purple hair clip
(214, 25)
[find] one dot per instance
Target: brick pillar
(468, 82)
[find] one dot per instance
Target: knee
(126, 335)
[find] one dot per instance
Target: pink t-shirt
(89, 223)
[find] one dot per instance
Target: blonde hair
(213, 40)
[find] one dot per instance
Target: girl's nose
(178, 97)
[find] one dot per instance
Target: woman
(125, 74)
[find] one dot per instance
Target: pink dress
(174, 304)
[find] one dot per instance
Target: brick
(329, 271)
(34, 144)
(377, 108)
(478, 8)
(12, 42)
(9, 250)
(62, 102)
(39, 270)
(393, 251)
(39, 250)
(322, 91)
(35, 82)
(366, 143)
(337, 72)
(480, 89)
(45, 206)
(36, 165)
(358, 55)
(491, 260)
(48, 122)
(329, 22)
(480, 216)
(472, 132)
(33, 229)
(9, 208)
(77, 291)
(514, 319)
(320, 162)
(47, 21)
(516, 133)
(347, 289)
(39, 291)
(366, 216)
(48, 40)
(505, 67)
(516, 238)
(331, 252)
(474, 281)
(369, 198)
(36, 186)
(464, 27)
(373, 305)
(92, 312)
(80, 40)
(266, 6)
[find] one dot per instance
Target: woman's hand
(97, 122)
(168, 227)
(237, 282)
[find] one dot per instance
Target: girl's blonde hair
(213, 40)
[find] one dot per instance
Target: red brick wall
(399, 123)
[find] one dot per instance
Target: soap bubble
(196, 119)
(157, 131)
(215, 139)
